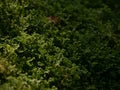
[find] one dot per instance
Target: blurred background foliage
(59, 45)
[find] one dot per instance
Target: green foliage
(59, 45)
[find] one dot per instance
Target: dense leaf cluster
(59, 45)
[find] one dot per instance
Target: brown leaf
(53, 19)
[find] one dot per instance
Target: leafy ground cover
(59, 45)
